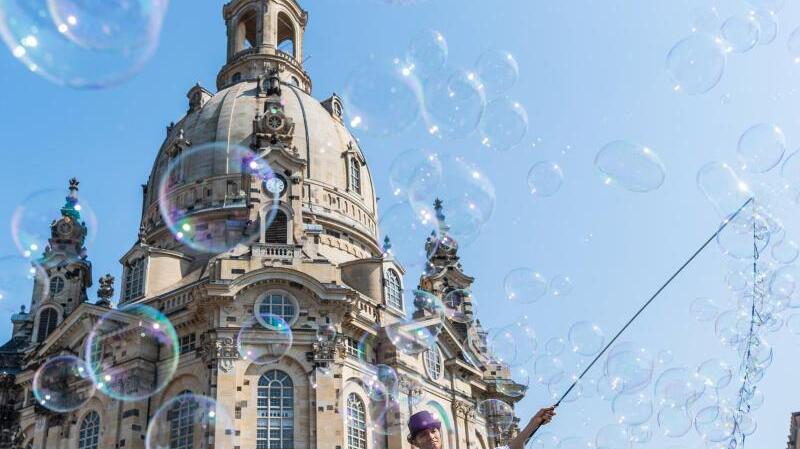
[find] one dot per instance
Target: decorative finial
(106, 291)
(71, 207)
(142, 234)
(22, 308)
(439, 207)
(387, 245)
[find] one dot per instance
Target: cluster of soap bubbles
(697, 62)
(384, 98)
(86, 45)
(445, 199)
(203, 180)
(524, 285)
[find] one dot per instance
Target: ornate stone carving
(409, 386)
(325, 348)
(464, 409)
(221, 350)
(106, 291)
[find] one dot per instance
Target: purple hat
(422, 421)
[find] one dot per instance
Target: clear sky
(591, 72)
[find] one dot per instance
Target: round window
(276, 303)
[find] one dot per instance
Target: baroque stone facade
(318, 255)
(794, 432)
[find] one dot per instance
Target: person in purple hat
(424, 431)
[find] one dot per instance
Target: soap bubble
(410, 164)
(741, 33)
(739, 236)
(696, 63)
(561, 389)
(520, 380)
(193, 216)
(407, 230)
(761, 148)
(498, 70)
(514, 344)
(705, 20)
(631, 166)
(715, 423)
(264, 338)
(18, 276)
(555, 345)
(504, 124)
(784, 281)
(452, 305)
(413, 336)
(63, 384)
(674, 422)
(454, 103)
(732, 326)
(427, 53)
(786, 251)
(85, 45)
(632, 409)
(630, 367)
(640, 434)
(32, 219)
(612, 436)
(704, 309)
(767, 26)
(525, 286)
(665, 357)
(678, 387)
(548, 369)
(381, 97)
(723, 188)
(132, 333)
(498, 414)
(543, 440)
(716, 373)
(560, 285)
(466, 193)
(545, 179)
(586, 338)
(198, 417)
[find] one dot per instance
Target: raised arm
(542, 417)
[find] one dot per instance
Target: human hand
(544, 416)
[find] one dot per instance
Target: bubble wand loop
(646, 304)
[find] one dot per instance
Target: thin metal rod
(649, 301)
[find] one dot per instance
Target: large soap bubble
(761, 148)
(63, 384)
(631, 166)
(545, 179)
(498, 70)
(741, 33)
(82, 43)
(696, 63)
(454, 103)
(188, 420)
(726, 191)
(427, 53)
(18, 276)
(264, 338)
(407, 229)
(630, 367)
(525, 286)
(586, 338)
(504, 124)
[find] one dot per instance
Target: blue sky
(591, 72)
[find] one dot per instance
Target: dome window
(286, 36)
(355, 176)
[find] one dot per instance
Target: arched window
(275, 424)
(433, 362)
(393, 292)
(48, 320)
(246, 31)
(56, 285)
(356, 423)
(355, 175)
(277, 304)
(89, 435)
(134, 280)
(278, 230)
(286, 35)
(181, 422)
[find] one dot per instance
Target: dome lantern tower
(264, 34)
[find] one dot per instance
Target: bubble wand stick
(646, 304)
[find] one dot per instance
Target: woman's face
(428, 439)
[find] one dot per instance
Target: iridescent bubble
(264, 338)
(381, 97)
(674, 422)
(454, 103)
(608, 388)
(544, 440)
(612, 436)
(407, 230)
(559, 389)
(63, 384)
(498, 70)
(679, 387)
(741, 33)
(732, 326)
(715, 423)
(464, 191)
(132, 334)
(786, 251)
(545, 178)
(630, 367)
(85, 45)
(411, 164)
(715, 373)
(560, 285)
(761, 148)
(427, 53)
(586, 338)
(453, 309)
(767, 26)
(326, 332)
(704, 309)
(555, 345)
(784, 281)
(194, 217)
(520, 380)
(793, 45)
(723, 188)
(514, 344)
(504, 124)
(632, 409)
(631, 166)
(741, 237)
(696, 63)
(499, 414)
(525, 286)
(32, 220)
(18, 279)
(548, 369)
(199, 416)
(413, 336)
(575, 443)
